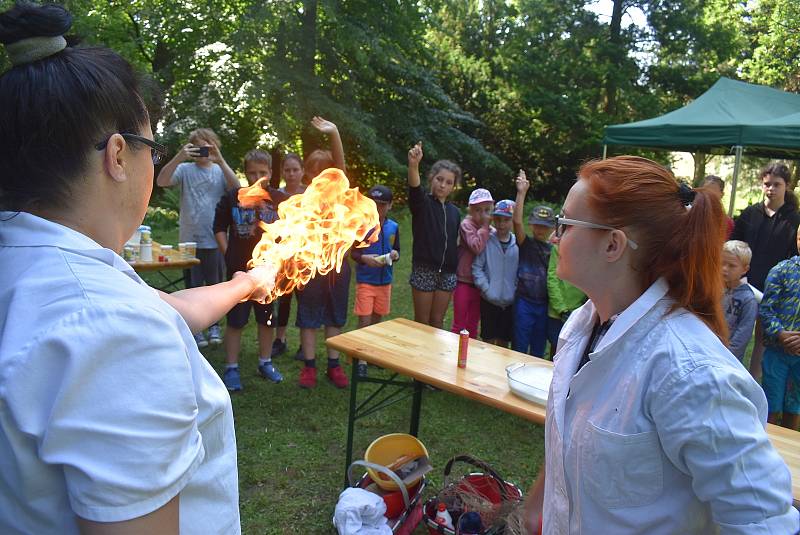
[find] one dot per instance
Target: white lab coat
(661, 432)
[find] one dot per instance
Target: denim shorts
(427, 279)
(324, 299)
(781, 381)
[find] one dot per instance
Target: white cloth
(201, 190)
(107, 408)
(360, 512)
(661, 432)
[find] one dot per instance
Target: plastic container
(387, 451)
(530, 381)
(191, 249)
(443, 517)
(146, 252)
(385, 259)
(145, 234)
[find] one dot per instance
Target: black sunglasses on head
(157, 150)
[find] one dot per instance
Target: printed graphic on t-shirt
(245, 219)
(733, 306)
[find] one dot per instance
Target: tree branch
(138, 40)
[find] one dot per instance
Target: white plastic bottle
(443, 517)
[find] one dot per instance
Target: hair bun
(26, 20)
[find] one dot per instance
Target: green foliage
(773, 26)
(494, 85)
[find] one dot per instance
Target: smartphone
(202, 152)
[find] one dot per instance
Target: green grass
(291, 442)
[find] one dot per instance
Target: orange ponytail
(682, 245)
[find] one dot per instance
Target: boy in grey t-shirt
(739, 302)
(203, 181)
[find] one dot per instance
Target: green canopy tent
(731, 117)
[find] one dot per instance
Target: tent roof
(764, 120)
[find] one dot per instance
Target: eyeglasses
(157, 150)
(562, 223)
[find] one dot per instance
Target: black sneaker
(278, 348)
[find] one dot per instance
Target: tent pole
(736, 167)
(605, 147)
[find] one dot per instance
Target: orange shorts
(372, 299)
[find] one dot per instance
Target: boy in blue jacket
(374, 267)
(780, 315)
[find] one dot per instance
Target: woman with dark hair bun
(653, 426)
(111, 421)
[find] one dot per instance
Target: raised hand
(522, 182)
(415, 154)
(323, 125)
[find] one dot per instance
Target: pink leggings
(466, 308)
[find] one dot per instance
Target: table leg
(351, 420)
(416, 405)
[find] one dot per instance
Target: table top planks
(430, 355)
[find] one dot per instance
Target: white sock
(232, 366)
(262, 360)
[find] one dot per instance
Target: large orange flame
(313, 234)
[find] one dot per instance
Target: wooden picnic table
(429, 356)
(172, 260)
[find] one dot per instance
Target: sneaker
(337, 377)
(299, 355)
(214, 335)
(268, 371)
(201, 341)
(361, 370)
(308, 377)
(278, 348)
(232, 379)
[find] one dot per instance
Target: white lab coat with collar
(661, 432)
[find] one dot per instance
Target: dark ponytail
(55, 109)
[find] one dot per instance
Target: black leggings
(284, 309)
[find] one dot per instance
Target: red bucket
(403, 506)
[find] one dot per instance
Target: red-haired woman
(653, 426)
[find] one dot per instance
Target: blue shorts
(781, 381)
(324, 300)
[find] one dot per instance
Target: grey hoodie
(741, 309)
(495, 271)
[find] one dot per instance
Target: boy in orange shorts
(374, 267)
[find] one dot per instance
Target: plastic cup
(191, 249)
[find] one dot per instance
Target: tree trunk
(308, 25)
(614, 57)
(701, 159)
